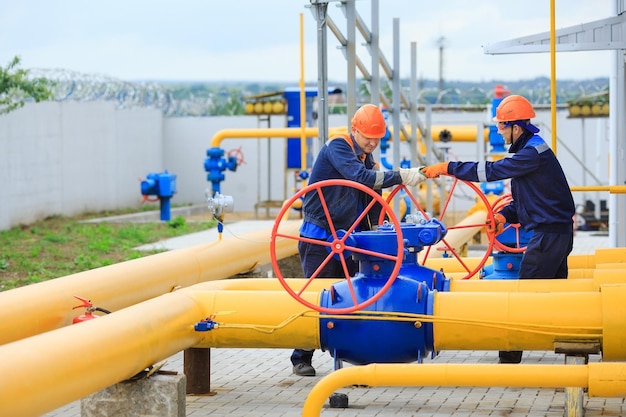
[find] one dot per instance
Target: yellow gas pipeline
(459, 133)
(45, 306)
(49, 370)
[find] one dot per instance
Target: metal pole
(320, 10)
(351, 57)
(396, 106)
(413, 106)
(375, 53)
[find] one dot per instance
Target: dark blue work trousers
(311, 257)
(546, 255)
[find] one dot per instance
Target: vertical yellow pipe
(303, 135)
(553, 73)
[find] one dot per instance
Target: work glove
(435, 170)
(412, 176)
(499, 224)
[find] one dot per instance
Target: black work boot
(303, 369)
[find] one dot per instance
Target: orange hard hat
(514, 108)
(369, 120)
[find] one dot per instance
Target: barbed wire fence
(68, 85)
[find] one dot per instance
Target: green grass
(59, 246)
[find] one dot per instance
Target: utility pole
(441, 43)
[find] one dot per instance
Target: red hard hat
(514, 108)
(369, 120)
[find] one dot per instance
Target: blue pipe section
(361, 342)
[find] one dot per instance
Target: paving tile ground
(259, 382)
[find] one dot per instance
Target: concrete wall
(69, 158)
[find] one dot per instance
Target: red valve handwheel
(496, 206)
(339, 246)
(238, 154)
(470, 271)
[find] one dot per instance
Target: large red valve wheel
(482, 200)
(338, 245)
(496, 206)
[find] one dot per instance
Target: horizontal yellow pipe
(45, 306)
(514, 321)
(610, 255)
(459, 275)
(451, 265)
(521, 285)
(460, 133)
(581, 261)
(612, 265)
(602, 379)
(613, 189)
(282, 324)
(64, 365)
(55, 368)
(599, 277)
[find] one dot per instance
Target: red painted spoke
(450, 193)
(467, 226)
(333, 232)
(456, 256)
(372, 253)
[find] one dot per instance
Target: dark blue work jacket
(542, 199)
(342, 158)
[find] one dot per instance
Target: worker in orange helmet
(344, 157)
(542, 201)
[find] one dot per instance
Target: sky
(252, 40)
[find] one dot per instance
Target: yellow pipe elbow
(458, 375)
(280, 132)
(284, 132)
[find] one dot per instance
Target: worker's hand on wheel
(498, 227)
(435, 170)
(412, 176)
